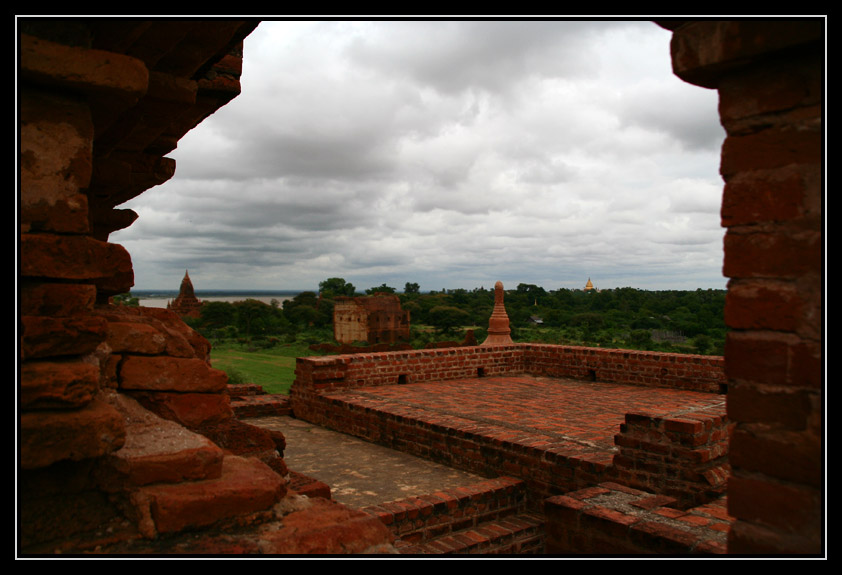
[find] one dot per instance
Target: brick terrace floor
(555, 413)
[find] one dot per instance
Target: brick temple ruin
(377, 318)
(186, 304)
(127, 441)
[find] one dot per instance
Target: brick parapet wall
(332, 373)
(694, 372)
(655, 369)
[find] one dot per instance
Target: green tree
(446, 318)
(333, 287)
(531, 291)
(255, 318)
(640, 338)
(217, 314)
(411, 288)
(702, 344)
(126, 299)
(382, 289)
(301, 310)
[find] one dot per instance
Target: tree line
(670, 320)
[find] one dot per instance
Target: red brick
(47, 336)
(790, 84)
(763, 305)
(662, 538)
(757, 357)
(772, 255)
(683, 426)
(74, 258)
(45, 385)
(50, 436)
(56, 300)
(779, 195)
(756, 448)
(783, 506)
(160, 373)
(770, 149)
(778, 406)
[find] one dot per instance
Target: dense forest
(628, 318)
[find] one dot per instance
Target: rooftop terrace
(552, 436)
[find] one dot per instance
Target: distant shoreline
(160, 298)
(216, 293)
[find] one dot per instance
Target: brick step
(521, 534)
(260, 405)
(177, 479)
(486, 517)
(610, 518)
(245, 486)
(157, 450)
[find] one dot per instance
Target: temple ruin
(127, 442)
(186, 304)
(374, 319)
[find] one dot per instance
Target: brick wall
(693, 372)
(328, 373)
(698, 373)
(97, 115)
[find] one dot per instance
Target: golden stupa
(589, 285)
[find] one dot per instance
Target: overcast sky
(451, 154)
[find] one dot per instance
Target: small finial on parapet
(498, 326)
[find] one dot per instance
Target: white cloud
(449, 154)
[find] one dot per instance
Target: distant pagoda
(589, 286)
(186, 304)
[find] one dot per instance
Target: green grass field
(272, 368)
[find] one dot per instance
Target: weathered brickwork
(769, 76)
(699, 373)
(672, 370)
(613, 519)
(377, 318)
(126, 432)
(683, 457)
(486, 518)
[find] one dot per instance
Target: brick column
(769, 77)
